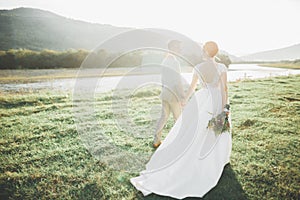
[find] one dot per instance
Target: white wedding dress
(191, 159)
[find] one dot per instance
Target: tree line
(46, 59)
(50, 59)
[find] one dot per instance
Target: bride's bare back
(208, 72)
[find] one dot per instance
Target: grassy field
(283, 65)
(42, 156)
(34, 75)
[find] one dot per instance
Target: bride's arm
(191, 88)
(225, 88)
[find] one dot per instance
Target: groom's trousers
(167, 107)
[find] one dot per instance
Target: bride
(191, 159)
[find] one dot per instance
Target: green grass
(283, 65)
(34, 75)
(42, 156)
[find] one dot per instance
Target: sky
(240, 27)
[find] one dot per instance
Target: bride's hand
(183, 102)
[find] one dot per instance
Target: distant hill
(287, 53)
(37, 29)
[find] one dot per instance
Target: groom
(172, 94)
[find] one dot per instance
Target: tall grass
(42, 156)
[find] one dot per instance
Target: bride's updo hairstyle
(211, 48)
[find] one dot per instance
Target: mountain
(37, 29)
(287, 53)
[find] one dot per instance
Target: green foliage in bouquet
(220, 123)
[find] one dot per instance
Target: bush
(46, 59)
(224, 59)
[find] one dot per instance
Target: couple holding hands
(190, 160)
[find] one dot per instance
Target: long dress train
(190, 160)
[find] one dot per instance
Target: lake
(236, 72)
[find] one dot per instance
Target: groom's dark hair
(173, 43)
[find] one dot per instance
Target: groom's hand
(183, 103)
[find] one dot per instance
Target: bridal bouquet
(220, 123)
